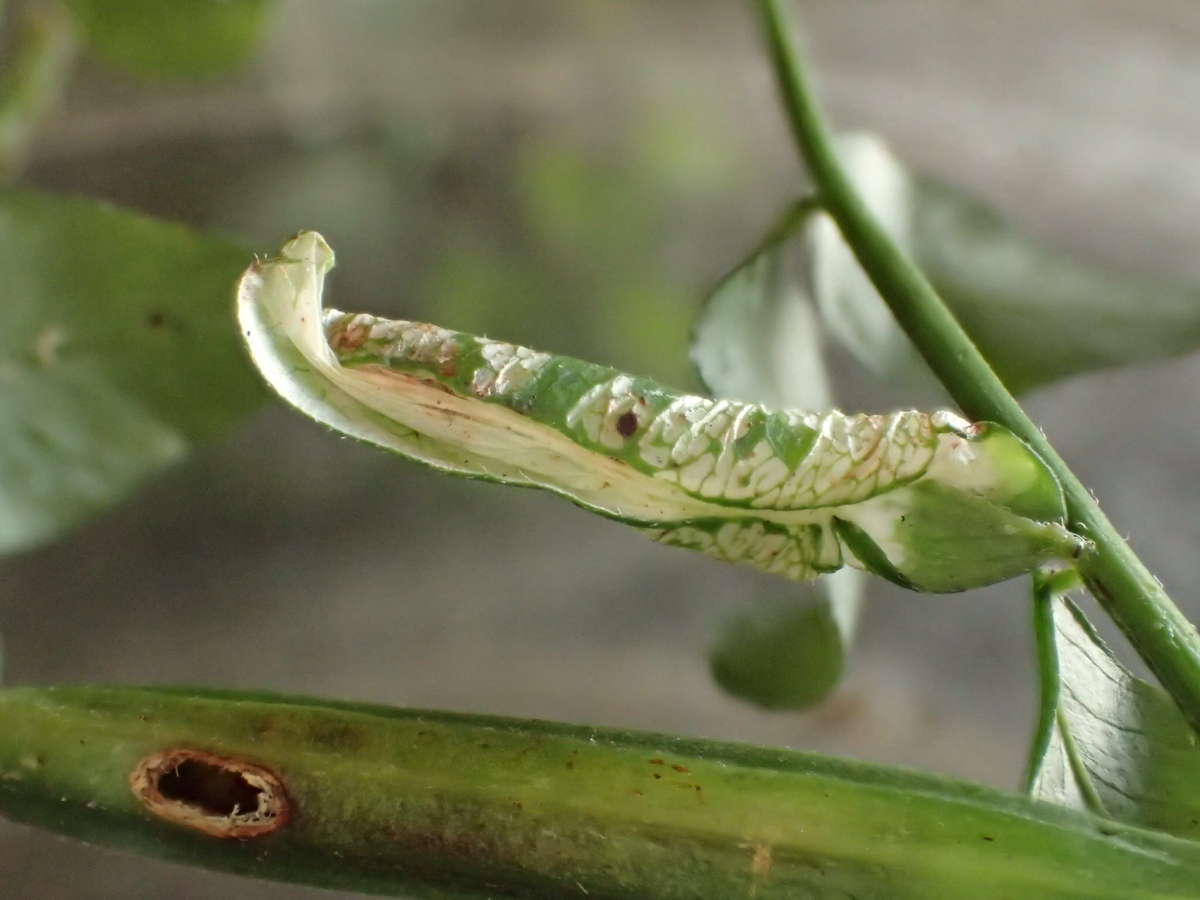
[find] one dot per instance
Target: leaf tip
(309, 248)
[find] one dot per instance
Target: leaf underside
(1118, 742)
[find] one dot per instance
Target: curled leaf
(787, 491)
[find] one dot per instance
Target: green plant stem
(33, 81)
(1050, 588)
(429, 804)
(1044, 598)
(1129, 593)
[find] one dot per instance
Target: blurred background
(573, 176)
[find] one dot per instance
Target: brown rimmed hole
(217, 795)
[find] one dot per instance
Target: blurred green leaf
(1036, 314)
(1026, 304)
(180, 38)
(32, 80)
(1117, 743)
(599, 231)
(790, 654)
(758, 339)
(117, 349)
(851, 310)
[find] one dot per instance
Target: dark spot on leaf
(156, 319)
(679, 768)
(988, 837)
(627, 424)
(657, 762)
(656, 775)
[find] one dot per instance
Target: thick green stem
(418, 803)
(1161, 634)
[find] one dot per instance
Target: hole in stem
(220, 796)
(214, 789)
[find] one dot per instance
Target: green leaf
(405, 802)
(1118, 745)
(116, 351)
(790, 655)
(180, 38)
(1022, 303)
(851, 309)
(936, 537)
(693, 472)
(758, 339)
